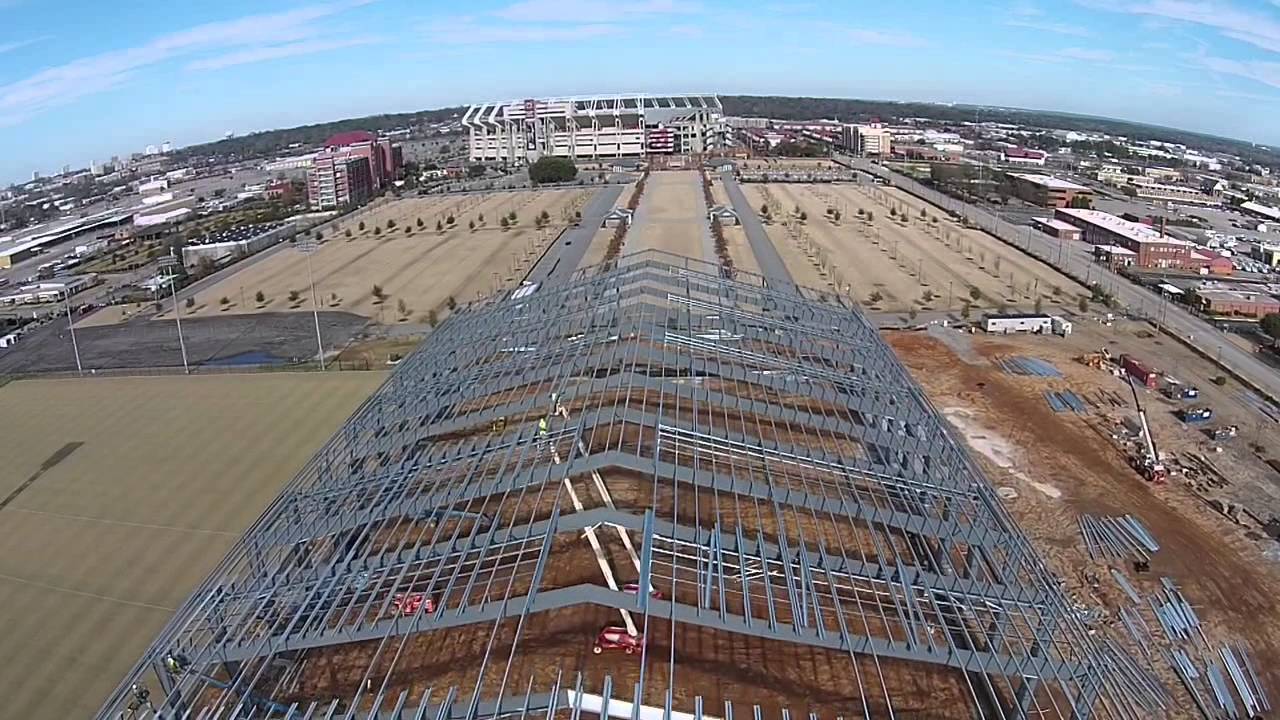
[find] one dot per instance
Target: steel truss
(756, 458)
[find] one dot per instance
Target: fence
(359, 364)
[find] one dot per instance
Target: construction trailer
(1139, 371)
(734, 491)
(1004, 323)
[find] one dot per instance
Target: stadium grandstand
(649, 492)
(590, 127)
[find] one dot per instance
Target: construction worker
(543, 428)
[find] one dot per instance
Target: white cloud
(469, 32)
(1260, 71)
(1049, 27)
(1086, 54)
(94, 74)
(882, 37)
(1245, 25)
(277, 52)
(588, 12)
(19, 44)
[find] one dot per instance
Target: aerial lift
(1148, 464)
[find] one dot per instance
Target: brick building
(1236, 303)
(336, 177)
(1136, 244)
(1046, 190)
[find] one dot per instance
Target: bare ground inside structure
(670, 217)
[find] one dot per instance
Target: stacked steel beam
(697, 462)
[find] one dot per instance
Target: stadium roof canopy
(745, 476)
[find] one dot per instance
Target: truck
(1195, 415)
(1137, 370)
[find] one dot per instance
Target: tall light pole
(75, 347)
(170, 263)
(308, 246)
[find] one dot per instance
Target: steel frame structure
(759, 460)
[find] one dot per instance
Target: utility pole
(170, 263)
(75, 347)
(307, 247)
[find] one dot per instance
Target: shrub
(191, 302)
(294, 296)
(1219, 380)
(361, 226)
(975, 293)
(224, 301)
(260, 297)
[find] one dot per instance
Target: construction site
(649, 491)
(666, 486)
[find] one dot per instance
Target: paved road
(767, 257)
(562, 259)
(1076, 260)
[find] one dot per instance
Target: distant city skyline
(123, 77)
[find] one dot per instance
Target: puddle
(995, 448)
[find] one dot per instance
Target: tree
(333, 298)
(471, 225)
(408, 230)
(912, 313)
(224, 301)
(439, 226)
(294, 296)
(997, 264)
(475, 171)
(420, 223)
(803, 216)
(764, 209)
(348, 232)
(966, 310)
(893, 213)
(835, 215)
(505, 223)
(546, 216)
(401, 307)
(1039, 304)
(974, 293)
(577, 216)
(1271, 326)
(391, 224)
(870, 216)
(1083, 304)
(450, 220)
(260, 297)
(480, 218)
(450, 303)
(377, 231)
(874, 297)
(361, 226)
(319, 236)
(433, 318)
(190, 303)
(927, 296)
(512, 217)
(378, 293)
(550, 169)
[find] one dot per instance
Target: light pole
(75, 347)
(307, 247)
(170, 262)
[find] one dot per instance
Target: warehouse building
(1048, 191)
(1148, 247)
(1056, 228)
(590, 127)
(1236, 303)
(236, 242)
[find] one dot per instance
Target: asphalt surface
(1076, 260)
(767, 257)
(558, 264)
(264, 338)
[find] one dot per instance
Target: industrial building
(236, 242)
(1235, 303)
(1056, 228)
(1179, 194)
(17, 248)
(352, 168)
(867, 140)
(649, 492)
(1131, 243)
(49, 291)
(1048, 191)
(597, 126)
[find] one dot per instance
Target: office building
(1236, 303)
(1048, 191)
(867, 140)
(600, 126)
(353, 167)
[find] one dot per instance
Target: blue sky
(83, 80)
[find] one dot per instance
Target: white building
(1014, 323)
(601, 126)
(242, 241)
(867, 140)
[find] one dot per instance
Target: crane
(1149, 464)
